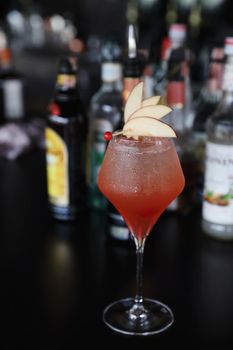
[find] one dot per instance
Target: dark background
(57, 278)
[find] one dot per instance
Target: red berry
(107, 135)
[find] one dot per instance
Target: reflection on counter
(59, 273)
(213, 290)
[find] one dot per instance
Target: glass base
(125, 317)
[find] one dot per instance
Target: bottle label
(128, 85)
(176, 93)
(67, 80)
(218, 187)
(13, 99)
(57, 168)
(98, 148)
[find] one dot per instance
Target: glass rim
(149, 139)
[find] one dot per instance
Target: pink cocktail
(140, 178)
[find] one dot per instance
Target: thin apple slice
(151, 101)
(134, 101)
(156, 112)
(146, 126)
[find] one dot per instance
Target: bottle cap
(177, 32)
(228, 45)
(111, 71)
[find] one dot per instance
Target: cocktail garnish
(107, 136)
(142, 117)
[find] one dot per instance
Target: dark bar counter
(56, 278)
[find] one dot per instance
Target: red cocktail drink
(140, 178)
(141, 175)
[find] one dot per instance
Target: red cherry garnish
(107, 136)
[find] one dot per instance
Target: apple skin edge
(151, 101)
(146, 126)
(156, 112)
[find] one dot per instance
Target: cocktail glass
(140, 178)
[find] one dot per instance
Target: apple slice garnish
(134, 101)
(151, 101)
(146, 126)
(156, 112)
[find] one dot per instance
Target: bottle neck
(227, 84)
(128, 85)
(108, 86)
(175, 44)
(111, 73)
(176, 100)
(213, 87)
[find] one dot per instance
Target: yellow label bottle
(57, 169)
(66, 146)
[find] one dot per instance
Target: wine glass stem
(137, 312)
(140, 243)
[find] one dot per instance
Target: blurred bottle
(105, 115)
(210, 94)
(160, 76)
(172, 47)
(177, 36)
(132, 69)
(175, 90)
(132, 75)
(176, 99)
(11, 85)
(66, 146)
(208, 100)
(174, 41)
(16, 26)
(217, 210)
(36, 31)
